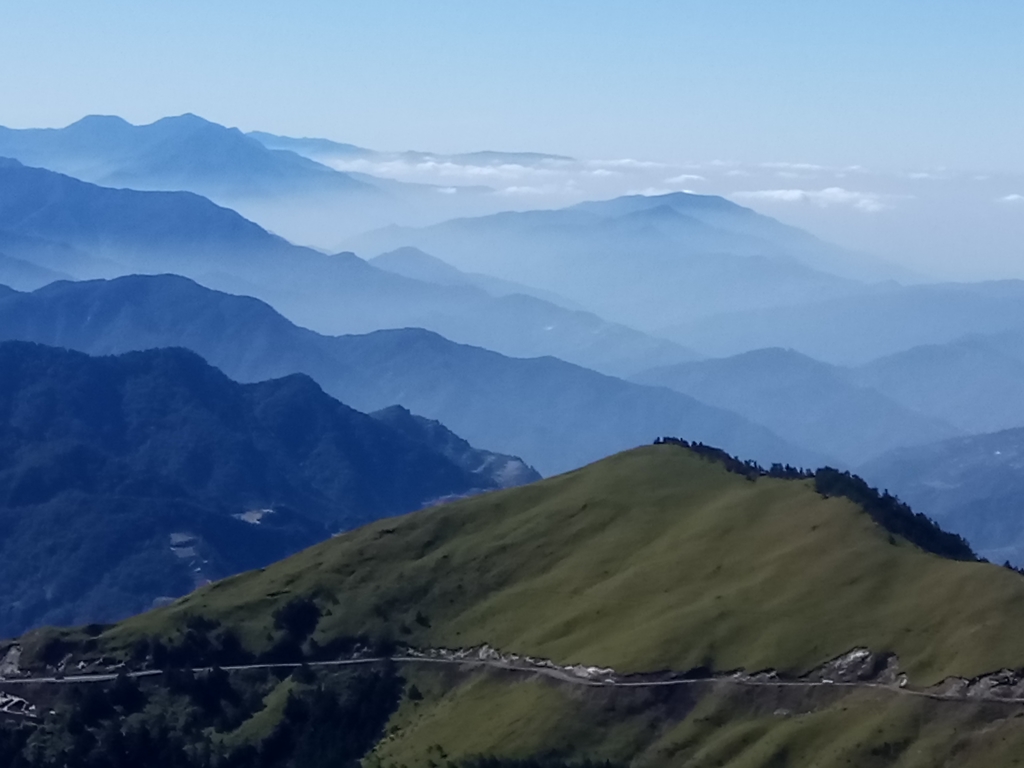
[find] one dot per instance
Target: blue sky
(897, 84)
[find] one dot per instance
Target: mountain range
(854, 330)
(327, 151)
(291, 194)
(975, 382)
(64, 225)
(555, 415)
(173, 154)
(805, 401)
(647, 261)
(972, 485)
(127, 479)
(295, 497)
(419, 265)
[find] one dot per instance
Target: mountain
(125, 479)
(54, 218)
(493, 468)
(45, 257)
(972, 485)
(555, 415)
(328, 152)
(662, 611)
(283, 190)
(24, 275)
(975, 382)
(134, 230)
(175, 153)
(320, 150)
(650, 262)
(641, 532)
(856, 329)
(806, 402)
(415, 264)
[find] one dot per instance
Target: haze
(900, 119)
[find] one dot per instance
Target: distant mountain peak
(419, 265)
(100, 121)
(680, 202)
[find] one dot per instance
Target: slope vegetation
(665, 557)
(653, 559)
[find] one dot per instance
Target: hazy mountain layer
(283, 190)
(854, 330)
(493, 468)
(175, 153)
(650, 262)
(86, 231)
(24, 275)
(975, 382)
(805, 401)
(556, 416)
(327, 151)
(418, 265)
(972, 485)
(124, 479)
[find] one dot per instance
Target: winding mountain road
(561, 674)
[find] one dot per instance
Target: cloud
(655, 191)
(626, 162)
(795, 166)
(683, 178)
(526, 190)
(822, 198)
(1014, 198)
(420, 169)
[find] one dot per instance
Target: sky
(900, 91)
(909, 84)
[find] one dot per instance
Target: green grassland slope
(657, 558)
(521, 719)
(653, 559)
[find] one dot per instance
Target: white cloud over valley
(867, 202)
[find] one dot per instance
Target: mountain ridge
(126, 231)
(524, 407)
(178, 452)
(809, 402)
(609, 615)
(704, 264)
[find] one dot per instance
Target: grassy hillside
(711, 727)
(652, 559)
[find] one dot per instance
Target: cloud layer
(867, 202)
